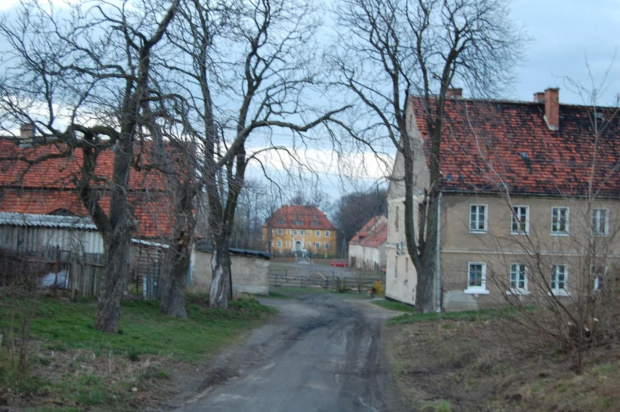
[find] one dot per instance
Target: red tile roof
(302, 217)
(487, 145)
(372, 234)
(49, 186)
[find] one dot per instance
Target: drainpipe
(438, 253)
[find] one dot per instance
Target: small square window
(600, 222)
(520, 220)
(559, 221)
(327, 246)
(478, 218)
(327, 233)
(279, 231)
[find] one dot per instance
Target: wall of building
(498, 249)
(249, 274)
(327, 240)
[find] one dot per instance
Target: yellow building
(301, 230)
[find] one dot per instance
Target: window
(396, 217)
(559, 221)
(318, 233)
(558, 280)
(600, 226)
(518, 279)
(315, 223)
(279, 243)
(301, 232)
(478, 218)
(281, 221)
(327, 234)
(326, 246)
(298, 222)
(520, 220)
(317, 245)
(598, 274)
(295, 231)
(476, 278)
(279, 231)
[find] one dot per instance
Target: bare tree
(392, 49)
(246, 71)
(81, 76)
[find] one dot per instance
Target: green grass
(144, 329)
(395, 306)
(474, 315)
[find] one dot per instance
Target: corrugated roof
(51, 221)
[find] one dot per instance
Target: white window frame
(516, 269)
(555, 271)
(597, 276)
(327, 233)
(485, 218)
(279, 244)
(326, 246)
(279, 231)
(596, 217)
(317, 246)
(477, 289)
(516, 213)
(556, 231)
(295, 232)
(301, 232)
(318, 233)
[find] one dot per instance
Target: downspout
(438, 253)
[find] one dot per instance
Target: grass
(395, 306)
(76, 367)
(479, 315)
(144, 329)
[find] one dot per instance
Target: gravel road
(323, 352)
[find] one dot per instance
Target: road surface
(323, 352)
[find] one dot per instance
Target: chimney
(539, 97)
(26, 131)
(454, 93)
(552, 108)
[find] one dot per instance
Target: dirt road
(323, 352)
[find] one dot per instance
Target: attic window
(315, 223)
(298, 222)
(599, 116)
(524, 155)
(281, 221)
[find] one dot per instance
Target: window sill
(478, 232)
(522, 292)
(520, 233)
(560, 234)
(560, 292)
(476, 291)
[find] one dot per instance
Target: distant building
(367, 247)
(300, 230)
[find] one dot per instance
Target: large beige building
(300, 230)
(529, 202)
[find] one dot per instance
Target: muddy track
(321, 353)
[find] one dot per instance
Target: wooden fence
(352, 281)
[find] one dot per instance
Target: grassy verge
(395, 306)
(479, 315)
(75, 367)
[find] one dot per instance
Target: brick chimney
(26, 131)
(539, 97)
(454, 93)
(552, 108)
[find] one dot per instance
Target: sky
(574, 41)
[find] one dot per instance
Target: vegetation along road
(321, 353)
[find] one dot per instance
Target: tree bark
(221, 286)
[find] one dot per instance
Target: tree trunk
(118, 252)
(220, 285)
(425, 291)
(173, 279)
